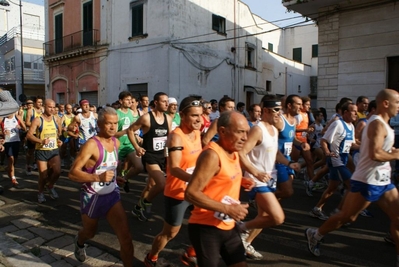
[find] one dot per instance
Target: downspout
(235, 53)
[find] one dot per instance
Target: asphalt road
(360, 244)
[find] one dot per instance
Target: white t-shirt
(214, 115)
(334, 135)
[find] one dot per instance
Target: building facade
(358, 47)
(32, 49)
(180, 47)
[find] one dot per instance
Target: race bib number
(287, 148)
(222, 216)
(272, 183)
(158, 143)
(383, 175)
(347, 146)
(51, 144)
(190, 170)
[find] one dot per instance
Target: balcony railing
(71, 42)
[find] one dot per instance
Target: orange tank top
(174, 187)
(303, 124)
(224, 187)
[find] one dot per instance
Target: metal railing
(71, 42)
(11, 77)
(28, 32)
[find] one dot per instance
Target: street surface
(360, 244)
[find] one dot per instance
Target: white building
(358, 47)
(203, 47)
(10, 48)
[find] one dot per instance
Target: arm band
(174, 148)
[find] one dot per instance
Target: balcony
(72, 45)
(30, 77)
(309, 8)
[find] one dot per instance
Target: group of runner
(172, 143)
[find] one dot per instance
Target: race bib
(222, 216)
(383, 175)
(287, 148)
(158, 143)
(347, 146)
(51, 144)
(190, 170)
(272, 183)
(304, 134)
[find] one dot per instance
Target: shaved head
(49, 102)
(386, 94)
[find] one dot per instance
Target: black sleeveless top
(155, 139)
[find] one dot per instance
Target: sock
(317, 235)
(152, 258)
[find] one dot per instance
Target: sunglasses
(195, 103)
(275, 110)
(208, 107)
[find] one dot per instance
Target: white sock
(317, 235)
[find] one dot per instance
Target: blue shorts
(370, 192)
(64, 139)
(283, 173)
(335, 172)
(12, 148)
(260, 190)
(97, 206)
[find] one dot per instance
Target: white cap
(172, 100)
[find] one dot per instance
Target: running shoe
(41, 198)
(244, 237)
(139, 213)
(366, 213)
(313, 243)
(189, 258)
(252, 254)
(388, 238)
(34, 167)
(319, 186)
(53, 193)
(80, 252)
(308, 189)
(318, 213)
(147, 207)
(14, 182)
(148, 262)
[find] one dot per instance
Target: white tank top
(11, 125)
(370, 171)
(263, 156)
(87, 127)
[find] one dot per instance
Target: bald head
(386, 94)
(49, 102)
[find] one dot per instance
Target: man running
(172, 112)
(95, 167)
(126, 152)
(184, 147)
(67, 139)
(371, 180)
(214, 191)
(144, 104)
(155, 126)
(44, 132)
(258, 158)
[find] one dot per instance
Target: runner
(85, 121)
(336, 144)
(95, 167)
(144, 104)
(31, 114)
(254, 111)
(67, 140)
(172, 112)
(155, 126)
(184, 147)
(258, 158)
(371, 180)
(205, 120)
(47, 153)
(215, 111)
(286, 138)
(126, 153)
(214, 190)
(11, 126)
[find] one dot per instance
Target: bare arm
(376, 133)
(22, 123)
(32, 131)
(89, 153)
(207, 167)
(359, 130)
(175, 158)
(210, 133)
(254, 139)
(28, 116)
(142, 122)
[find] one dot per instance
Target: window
(218, 24)
(61, 98)
(268, 86)
(297, 54)
(138, 90)
(137, 18)
(393, 73)
(270, 47)
(88, 23)
(12, 63)
(315, 50)
(35, 66)
(27, 65)
(91, 96)
(250, 55)
(58, 29)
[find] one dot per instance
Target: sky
(270, 10)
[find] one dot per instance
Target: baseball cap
(172, 100)
(271, 103)
(213, 101)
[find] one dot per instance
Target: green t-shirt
(175, 120)
(124, 121)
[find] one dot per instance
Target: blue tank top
(286, 138)
(346, 143)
